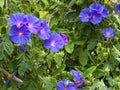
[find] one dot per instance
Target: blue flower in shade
(108, 32)
(65, 85)
(117, 7)
(54, 43)
(19, 35)
(1, 41)
(85, 15)
(33, 23)
(64, 38)
(17, 19)
(21, 48)
(77, 78)
(96, 17)
(44, 31)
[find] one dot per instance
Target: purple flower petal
(76, 77)
(64, 38)
(17, 79)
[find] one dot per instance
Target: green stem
(5, 72)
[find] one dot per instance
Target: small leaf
(69, 47)
(45, 2)
(59, 70)
(53, 21)
(89, 71)
(1, 3)
(72, 2)
(92, 44)
(83, 57)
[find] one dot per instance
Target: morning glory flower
(85, 15)
(64, 37)
(19, 35)
(33, 23)
(96, 17)
(77, 78)
(65, 85)
(108, 32)
(54, 43)
(94, 13)
(17, 19)
(117, 7)
(97, 7)
(44, 31)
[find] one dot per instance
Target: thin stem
(4, 71)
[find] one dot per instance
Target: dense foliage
(89, 60)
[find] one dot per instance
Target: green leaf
(48, 84)
(23, 63)
(69, 47)
(1, 3)
(83, 57)
(59, 70)
(72, 2)
(92, 44)
(79, 41)
(53, 21)
(71, 15)
(45, 2)
(1, 51)
(62, 30)
(6, 48)
(89, 71)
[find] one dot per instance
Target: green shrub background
(97, 58)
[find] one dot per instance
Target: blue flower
(96, 17)
(19, 35)
(33, 23)
(108, 32)
(85, 15)
(44, 31)
(65, 85)
(77, 78)
(54, 43)
(17, 19)
(94, 13)
(97, 7)
(117, 7)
